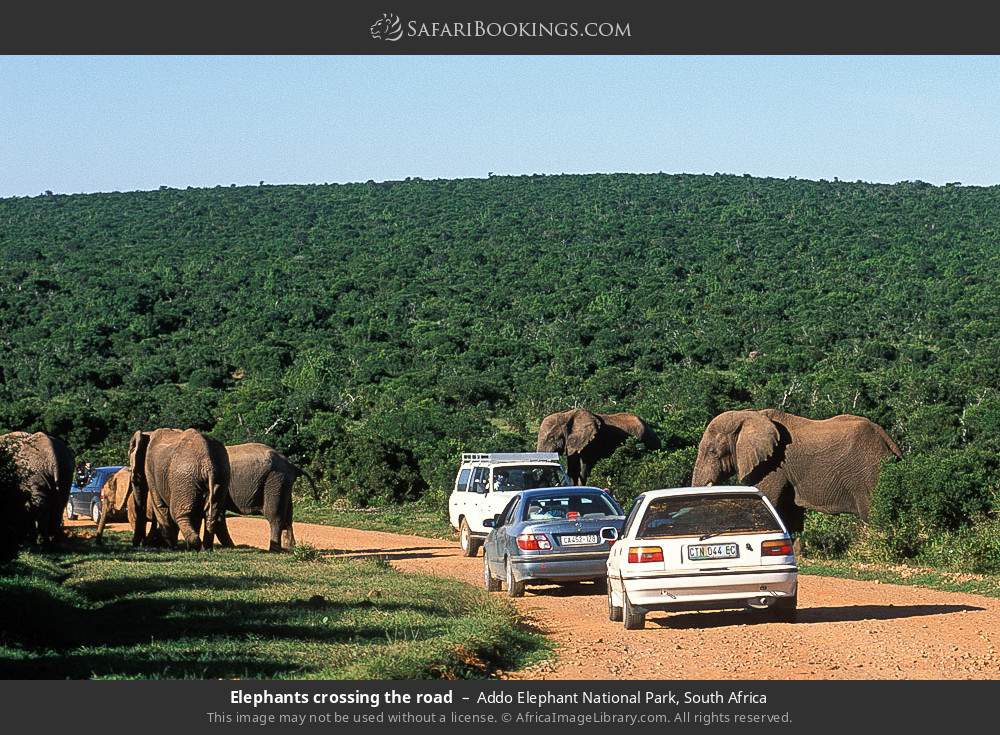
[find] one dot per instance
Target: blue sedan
(551, 535)
(85, 500)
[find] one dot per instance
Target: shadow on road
(414, 552)
(572, 589)
(843, 614)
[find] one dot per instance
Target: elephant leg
(275, 523)
(573, 468)
(585, 468)
(287, 535)
(188, 531)
(222, 531)
(102, 521)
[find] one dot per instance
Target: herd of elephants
(179, 480)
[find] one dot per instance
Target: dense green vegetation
(241, 613)
(373, 331)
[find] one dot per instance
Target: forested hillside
(375, 330)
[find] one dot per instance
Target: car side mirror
(609, 534)
(490, 523)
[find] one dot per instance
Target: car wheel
(95, 512)
(515, 587)
(614, 611)
(469, 544)
(491, 583)
(70, 515)
(633, 618)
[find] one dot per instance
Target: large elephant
(260, 483)
(586, 437)
(116, 496)
(830, 466)
(45, 467)
(184, 475)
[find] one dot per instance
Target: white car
(701, 548)
(486, 483)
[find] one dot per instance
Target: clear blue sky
(82, 124)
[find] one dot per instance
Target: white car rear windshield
(696, 515)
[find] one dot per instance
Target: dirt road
(846, 629)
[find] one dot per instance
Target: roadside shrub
(975, 548)
(372, 471)
(304, 551)
(828, 535)
(927, 494)
(633, 469)
(15, 520)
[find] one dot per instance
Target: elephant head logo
(387, 28)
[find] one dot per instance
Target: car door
(476, 498)
(499, 539)
(459, 494)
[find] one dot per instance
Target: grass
(987, 585)
(418, 518)
(84, 612)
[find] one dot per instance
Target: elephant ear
(123, 488)
(756, 441)
(583, 430)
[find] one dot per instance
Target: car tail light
(642, 554)
(533, 542)
(779, 547)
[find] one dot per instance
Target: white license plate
(713, 551)
(589, 539)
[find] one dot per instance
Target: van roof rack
(510, 457)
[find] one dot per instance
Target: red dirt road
(846, 629)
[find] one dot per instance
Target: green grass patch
(416, 518)
(116, 612)
(979, 584)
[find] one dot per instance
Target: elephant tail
(312, 482)
(889, 443)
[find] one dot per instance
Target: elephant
(260, 483)
(116, 496)
(184, 475)
(45, 466)
(831, 466)
(586, 437)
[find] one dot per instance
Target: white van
(485, 484)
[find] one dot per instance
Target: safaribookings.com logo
(390, 28)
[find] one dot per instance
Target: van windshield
(514, 478)
(695, 515)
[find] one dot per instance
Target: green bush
(370, 470)
(828, 535)
(633, 469)
(932, 493)
(15, 521)
(975, 548)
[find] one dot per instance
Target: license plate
(589, 539)
(713, 551)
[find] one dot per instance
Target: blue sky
(82, 124)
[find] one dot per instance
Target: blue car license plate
(702, 552)
(582, 540)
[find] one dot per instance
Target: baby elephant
(260, 483)
(116, 496)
